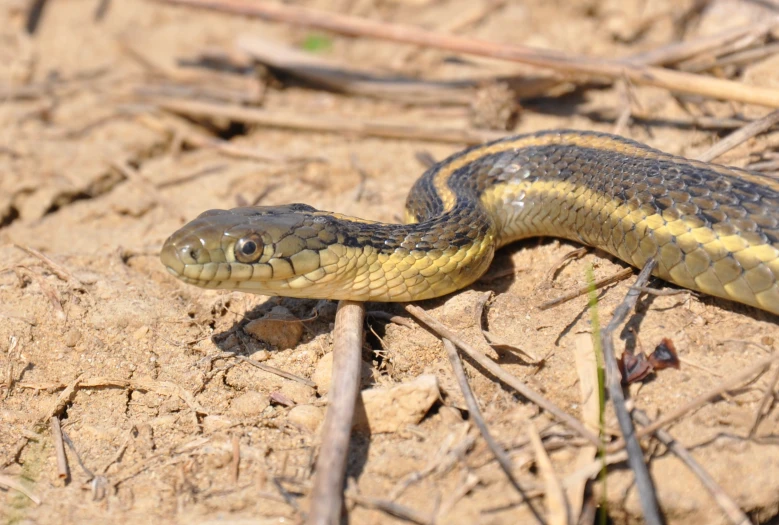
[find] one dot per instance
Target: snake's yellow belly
(712, 228)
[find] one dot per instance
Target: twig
(646, 490)
(767, 398)
(740, 136)
(573, 255)
(557, 506)
(55, 268)
(59, 447)
(475, 413)
(386, 316)
(72, 447)
(683, 121)
(464, 17)
(668, 291)
(590, 396)
(142, 183)
(199, 91)
(495, 342)
(286, 496)
(345, 78)
(120, 451)
(623, 87)
(617, 277)
(444, 331)
(11, 483)
(589, 471)
(235, 465)
(276, 371)
(748, 55)
(679, 51)
(68, 391)
(327, 496)
(63, 400)
(675, 414)
(290, 120)
(720, 496)
(767, 167)
(229, 149)
(567, 63)
(49, 291)
(390, 507)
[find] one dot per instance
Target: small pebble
(323, 373)
(260, 356)
(141, 333)
(306, 417)
(298, 393)
(213, 423)
(278, 328)
(249, 404)
(392, 409)
(72, 338)
(450, 415)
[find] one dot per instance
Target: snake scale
(711, 228)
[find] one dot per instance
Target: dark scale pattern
(448, 230)
(670, 185)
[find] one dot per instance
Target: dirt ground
(95, 177)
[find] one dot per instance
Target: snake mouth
(173, 271)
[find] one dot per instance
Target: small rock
(306, 417)
(214, 423)
(278, 328)
(323, 373)
(495, 107)
(450, 415)
(140, 333)
(217, 458)
(72, 338)
(260, 356)
(249, 404)
(298, 393)
(391, 409)
(281, 399)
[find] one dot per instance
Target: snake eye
(249, 249)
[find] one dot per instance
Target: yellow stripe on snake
(711, 228)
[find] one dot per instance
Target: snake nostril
(189, 254)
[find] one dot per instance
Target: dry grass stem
(617, 277)
(740, 136)
(565, 63)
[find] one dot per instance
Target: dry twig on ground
(327, 496)
(644, 483)
(740, 136)
(475, 413)
(676, 81)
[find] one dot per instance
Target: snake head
(263, 249)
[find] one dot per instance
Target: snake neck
(413, 261)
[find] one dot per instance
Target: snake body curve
(712, 228)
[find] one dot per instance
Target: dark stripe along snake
(711, 228)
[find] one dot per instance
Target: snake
(710, 228)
